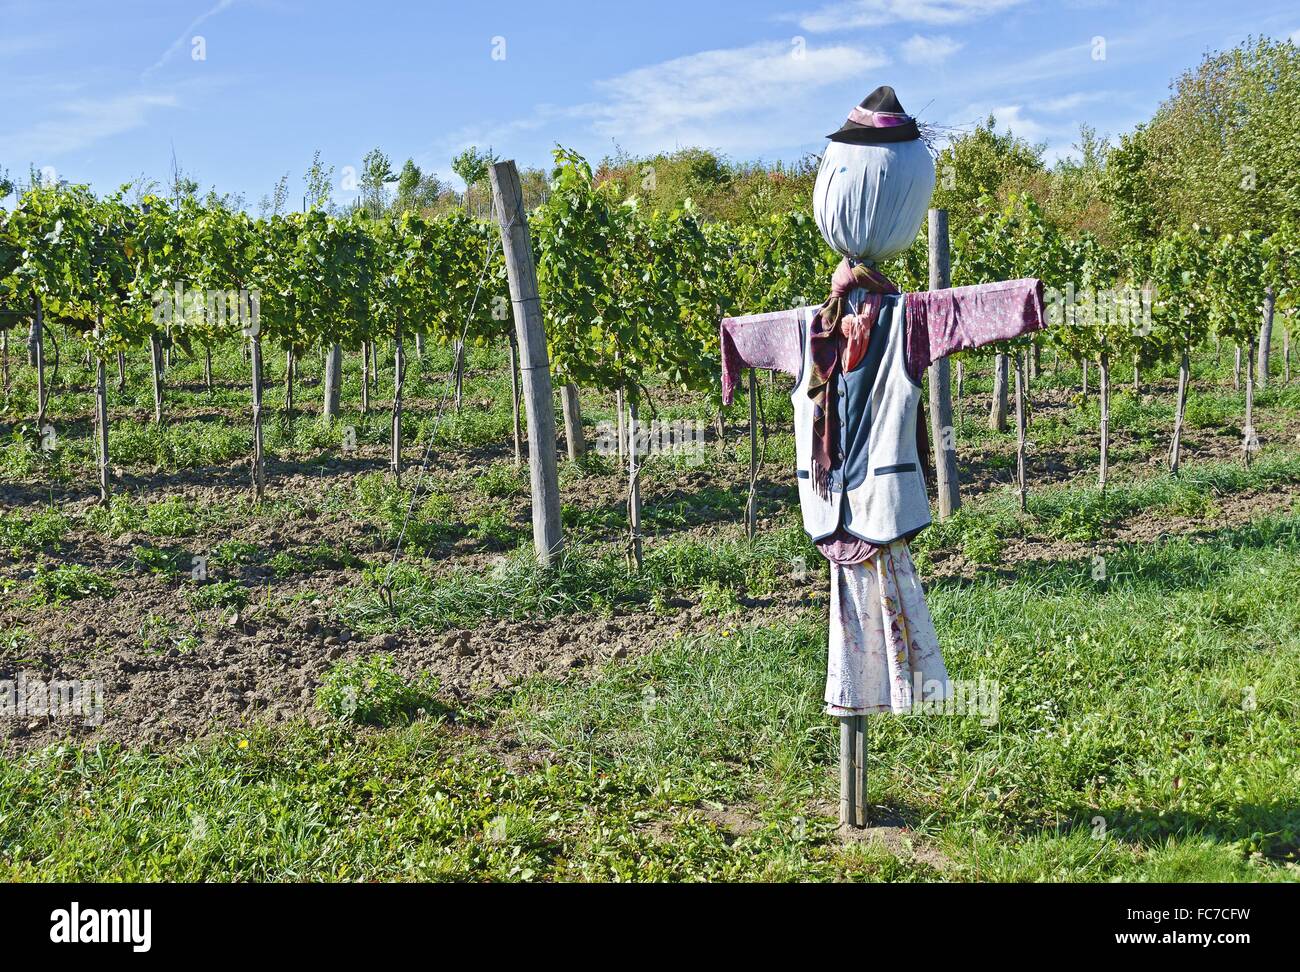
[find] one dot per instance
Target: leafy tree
(1136, 209)
(472, 166)
(978, 169)
(416, 191)
(1073, 196)
(274, 204)
(1226, 145)
(376, 174)
(318, 182)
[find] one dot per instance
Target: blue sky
(104, 92)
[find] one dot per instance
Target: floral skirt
(884, 652)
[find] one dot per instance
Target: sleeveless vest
(878, 489)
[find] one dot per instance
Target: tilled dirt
(233, 677)
(266, 665)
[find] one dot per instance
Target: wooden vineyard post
(998, 410)
(33, 335)
(36, 344)
(207, 369)
(155, 355)
(941, 427)
(1180, 410)
(399, 373)
(848, 763)
(634, 482)
(460, 373)
(1020, 430)
(751, 506)
(622, 423)
(514, 400)
(860, 768)
(1249, 441)
(259, 467)
(1103, 368)
(1265, 337)
(853, 771)
(535, 362)
(333, 382)
(101, 410)
(365, 377)
(288, 382)
(572, 409)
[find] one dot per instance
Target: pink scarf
(838, 343)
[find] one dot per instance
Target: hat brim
(865, 135)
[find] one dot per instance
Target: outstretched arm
(940, 322)
(760, 341)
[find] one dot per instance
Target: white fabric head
(870, 200)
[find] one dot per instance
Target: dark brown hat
(879, 119)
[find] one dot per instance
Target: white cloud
(929, 51)
(748, 99)
(80, 123)
(1012, 118)
(853, 14)
(739, 95)
(187, 35)
(1295, 36)
(1058, 136)
(1072, 101)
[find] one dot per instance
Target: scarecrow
(860, 445)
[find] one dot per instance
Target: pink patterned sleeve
(759, 341)
(940, 322)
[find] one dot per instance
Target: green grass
(583, 580)
(502, 480)
(1147, 729)
(22, 532)
(178, 445)
(376, 499)
(1085, 513)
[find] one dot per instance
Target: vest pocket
(902, 467)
